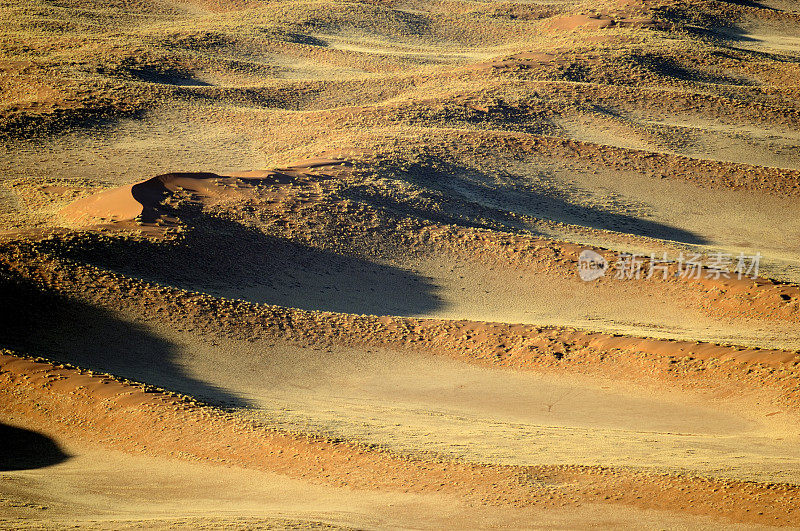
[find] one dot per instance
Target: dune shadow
(751, 4)
(759, 46)
(42, 323)
(721, 29)
(23, 449)
(472, 198)
(671, 68)
(227, 259)
(738, 39)
(150, 75)
(727, 33)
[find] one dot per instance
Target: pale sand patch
(417, 403)
(693, 136)
(98, 488)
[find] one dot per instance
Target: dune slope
(323, 264)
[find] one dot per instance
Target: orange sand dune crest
(128, 202)
(142, 199)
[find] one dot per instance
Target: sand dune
(439, 280)
(318, 265)
(427, 502)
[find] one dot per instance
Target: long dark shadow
(43, 323)
(22, 449)
(469, 198)
(224, 258)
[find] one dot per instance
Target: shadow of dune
(722, 31)
(671, 68)
(557, 209)
(470, 198)
(728, 33)
(47, 324)
(751, 4)
(151, 75)
(25, 449)
(224, 258)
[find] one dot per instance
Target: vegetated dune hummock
(383, 324)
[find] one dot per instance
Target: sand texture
(288, 265)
